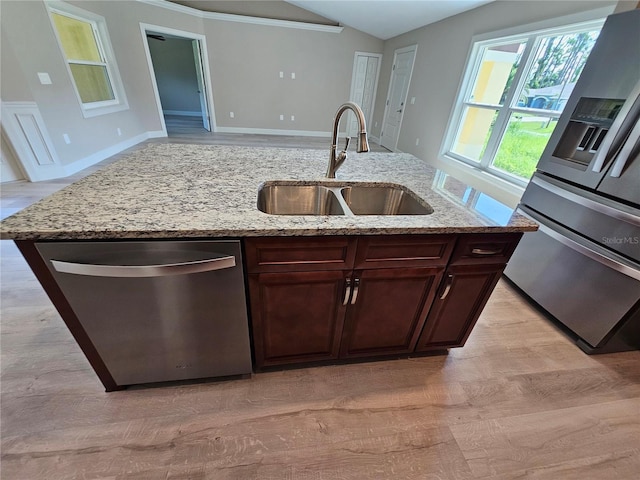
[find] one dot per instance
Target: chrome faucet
(363, 144)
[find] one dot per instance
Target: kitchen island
(322, 288)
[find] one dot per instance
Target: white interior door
(364, 83)
(202, 88)
(397, 96)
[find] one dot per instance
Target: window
(84, 42)
(513, 92)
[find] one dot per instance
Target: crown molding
(229, 17)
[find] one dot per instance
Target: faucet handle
(346, 145)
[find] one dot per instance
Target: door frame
(375, 85)
(397, 52)
(147, 27)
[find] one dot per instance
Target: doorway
(403, 59)
(364, 84)
(180, 76)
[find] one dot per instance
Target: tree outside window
(514, 92)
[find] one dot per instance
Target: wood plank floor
(520, 400)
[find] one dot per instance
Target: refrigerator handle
(625, 152)
(603, 150)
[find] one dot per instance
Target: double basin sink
(314, 198)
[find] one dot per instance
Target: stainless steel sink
(298, 200)
(287, 198)
(384, 200)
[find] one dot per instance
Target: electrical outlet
(413, 100)
(293, 76)
(232, 115)
(293, 118)
(281, 117)
(66, 138)
(119, 131)
(281, 74)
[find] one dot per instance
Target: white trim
(144, 27)
(273, 131)
(156, 134)
(182, 113)
(581, 21)
(572, 22)
(27, 135)
(386, 107)
(228, 17)
(26, 145)
(105, 153)
(485, 181)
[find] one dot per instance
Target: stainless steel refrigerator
(583, 265)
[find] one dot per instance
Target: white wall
(245, 61)
(246, 77)
(441, 58)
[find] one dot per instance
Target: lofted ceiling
(383, 19)
(386, 19)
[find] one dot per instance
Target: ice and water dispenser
(586, 129)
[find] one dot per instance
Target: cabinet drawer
(404, 250)
(482, 248)
(295, 254)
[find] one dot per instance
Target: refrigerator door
(597, 87)
(611, 224)
(623, 179)
(592, 292)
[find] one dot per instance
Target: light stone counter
(196, 191)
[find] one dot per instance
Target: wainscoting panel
(26, 132)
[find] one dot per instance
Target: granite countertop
(195, 191)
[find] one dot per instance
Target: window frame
(103, 43)
(532, 37)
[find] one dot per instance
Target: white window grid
(100, 35)
(532, 42)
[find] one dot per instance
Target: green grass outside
(522, 145)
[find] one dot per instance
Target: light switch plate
(45, 79)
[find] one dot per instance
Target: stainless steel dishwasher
(157, 311)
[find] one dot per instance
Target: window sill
(97, 111)
(506, 192)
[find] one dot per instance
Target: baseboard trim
(273, 131)
(182, 113)
(101, 155)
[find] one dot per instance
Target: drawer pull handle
(139, 271)
(447, 287)
(356, 287)
(347, 292)
(485, 251)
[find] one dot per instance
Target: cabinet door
(387, 310)
(461, 298)
(297, 317)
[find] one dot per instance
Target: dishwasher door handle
(138, 271)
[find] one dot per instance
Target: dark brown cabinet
(343, 298)
(460, 300)
(316, 299)
(476, 265)
(297, 317)
(388, 312)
